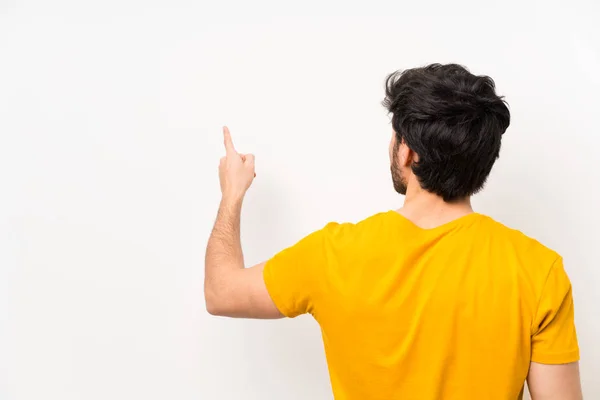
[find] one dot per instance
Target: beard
(400, 184)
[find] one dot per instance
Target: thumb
(249, 159)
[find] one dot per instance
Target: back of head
(453, 120)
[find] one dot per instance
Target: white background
(110, 124)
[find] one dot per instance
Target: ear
(405, 155)
(413, 157)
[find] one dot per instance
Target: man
(432, 301)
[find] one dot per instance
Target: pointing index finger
(228, 142)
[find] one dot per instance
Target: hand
(236, 171)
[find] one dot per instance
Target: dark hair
(453, 120)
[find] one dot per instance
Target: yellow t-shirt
(453, 312)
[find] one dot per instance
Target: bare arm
(229, 288)
(554, 382)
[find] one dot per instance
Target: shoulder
(529, 249)
(362, 232)
(374, 221)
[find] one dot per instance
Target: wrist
(231, 199)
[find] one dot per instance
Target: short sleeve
(554, 340)
(295, 276)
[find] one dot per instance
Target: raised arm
(229, 288)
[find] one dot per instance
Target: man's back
(453, 312)
(467, 309)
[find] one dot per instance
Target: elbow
(212, 309)
(219, 296)
(213, 303)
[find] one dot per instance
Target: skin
(232, 290)
(554, 382)
(229, 288)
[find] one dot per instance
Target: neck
(428, 210)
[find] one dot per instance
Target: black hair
(453, 120)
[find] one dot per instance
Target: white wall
(110, 117)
